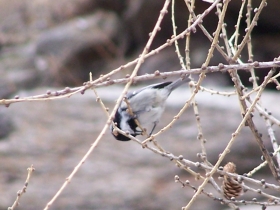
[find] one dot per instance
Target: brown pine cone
(230, 187)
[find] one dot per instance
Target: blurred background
(47, 45)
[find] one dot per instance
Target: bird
(143, 107)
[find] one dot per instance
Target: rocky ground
(55, 135)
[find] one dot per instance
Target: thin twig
(109, 121)
(249, 30)
(224, 32)
(249, 122)
(23, 190)
(227, 149)
(174, 27)
(273, 140)
(188, 37)
(189, 163)
(265, 114)
(98, 99)
(206, 33)
(201, 76)
(249, 44)
(237, 26)
(263, 164)
(200, 133)
(68, 92)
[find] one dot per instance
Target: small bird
(143, 107)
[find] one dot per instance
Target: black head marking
(130, 122)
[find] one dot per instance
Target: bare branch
(23, 190)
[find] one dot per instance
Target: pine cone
(231, 188)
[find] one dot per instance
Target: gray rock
(68, 52)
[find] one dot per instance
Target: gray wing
(155, 86)
(169, 85)
(149, 97)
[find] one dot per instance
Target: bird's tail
(179, 82)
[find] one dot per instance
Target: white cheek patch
(125, 126)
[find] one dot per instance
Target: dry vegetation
(230, 46)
